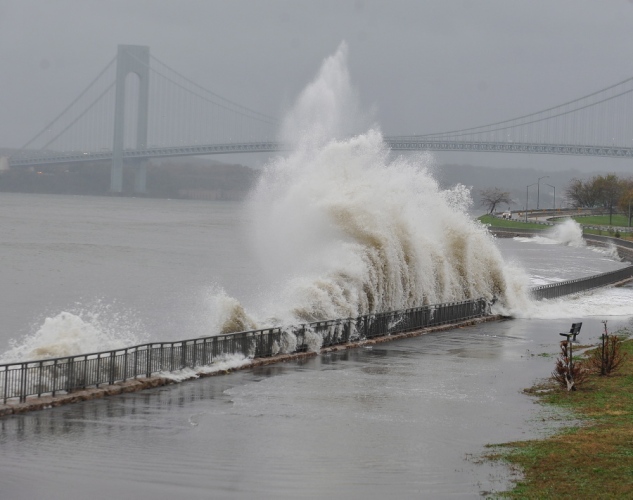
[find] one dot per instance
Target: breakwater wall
(554, 290)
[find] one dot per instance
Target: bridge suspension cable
(495, 124)
(80, 116)
(604, 117)
(228, 103)
(51, 125)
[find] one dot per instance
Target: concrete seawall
(34, 403)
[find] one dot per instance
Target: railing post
(85, 371)
(112, 367)
(149, 361)
(39, 380)
(23, 383)
(269, 342)
(98, 369)
(54, 370)
(70, 373)
(6, 383)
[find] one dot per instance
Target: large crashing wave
(348, 230)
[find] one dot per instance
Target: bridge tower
(130, 59)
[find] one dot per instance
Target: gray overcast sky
(425, 66)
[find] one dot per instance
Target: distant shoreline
(191, 178)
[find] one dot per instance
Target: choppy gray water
(402, 419)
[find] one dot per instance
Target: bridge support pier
(140, 177)
(116, 177)
(130, 59)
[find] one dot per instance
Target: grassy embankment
(594, 460)
(603, 220)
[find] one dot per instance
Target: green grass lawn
(594, 460)
(514, 224)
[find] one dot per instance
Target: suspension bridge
(121, 118)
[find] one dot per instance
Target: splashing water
(603, 302)
(348, 230)
(569, 233)
(99, 327)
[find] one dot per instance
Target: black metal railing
(554, 290)
(67, 374)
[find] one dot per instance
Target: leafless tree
(491, 197)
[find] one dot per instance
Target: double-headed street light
(538, 189)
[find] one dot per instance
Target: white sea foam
(83, 329)
(222, 364)
(605, 302)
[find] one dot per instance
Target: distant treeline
(174, 178)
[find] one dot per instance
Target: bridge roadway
(396, 143)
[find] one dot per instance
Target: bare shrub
(608, 356)
(567, 372)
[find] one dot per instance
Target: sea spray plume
(385, 236)
(568, 233)
(349, 231)
(327, 108)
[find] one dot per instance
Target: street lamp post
(538, 189)
(527, 189)
(554, 188)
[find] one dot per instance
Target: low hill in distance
(205, 178)
(187, 178)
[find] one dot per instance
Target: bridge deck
(33, 158)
